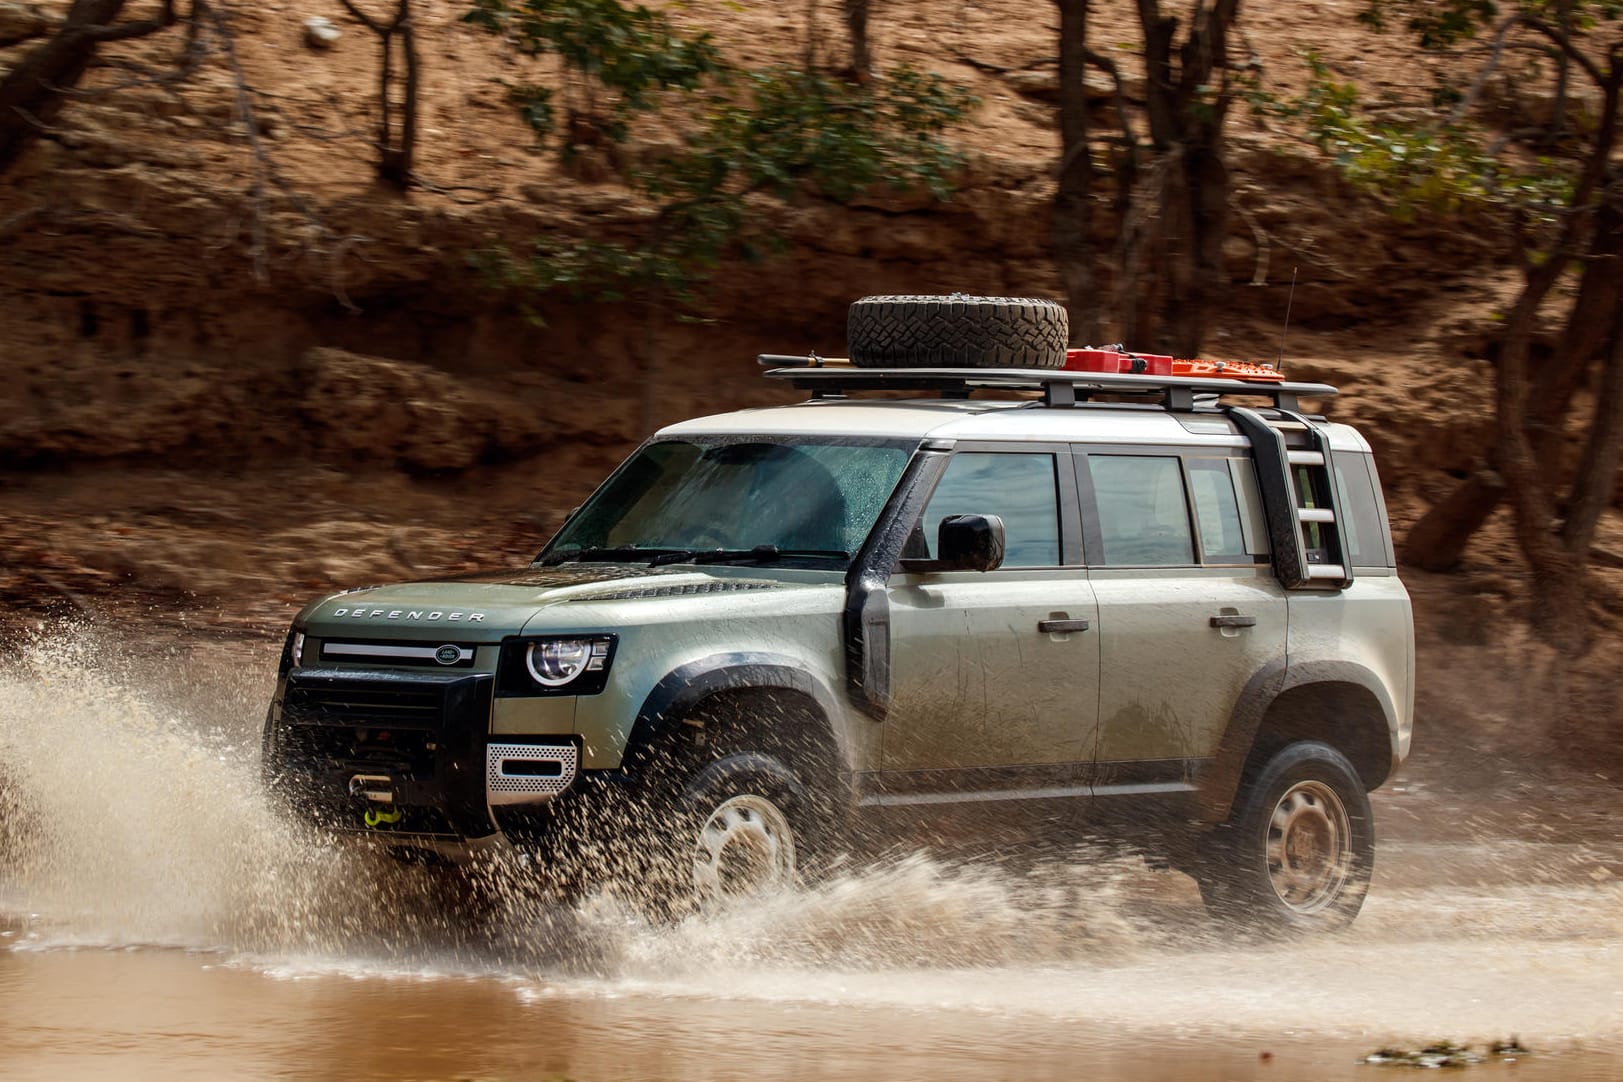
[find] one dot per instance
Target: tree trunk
(1559, 580)
(31, 95)
(1437, 542)
(1596, 483)
(1186, 116)
(1073, 202)
(1199, 276)
(397, 141)
(856, 24)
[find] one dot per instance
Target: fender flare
(687, 685)
(1219, 782)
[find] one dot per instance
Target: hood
(486, 606)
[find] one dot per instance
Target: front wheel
(1299, 850)
(745, 829)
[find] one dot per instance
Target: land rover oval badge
(448, 654)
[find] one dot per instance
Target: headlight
(558, 661)
(292, 651)
(554, 665)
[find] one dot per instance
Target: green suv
(1090, 599)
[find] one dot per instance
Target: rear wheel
(1298, 853)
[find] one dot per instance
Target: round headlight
(558, 661)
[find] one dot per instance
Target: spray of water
(131, 814)
(134, 814)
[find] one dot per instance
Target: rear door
(1189, 610)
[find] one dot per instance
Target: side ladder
(1301, 501)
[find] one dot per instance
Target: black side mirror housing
(970, 543)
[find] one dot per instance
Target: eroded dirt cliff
(238, 372)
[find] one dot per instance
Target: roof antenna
(1279, 362)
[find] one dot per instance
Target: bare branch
(374, 25)
(261, 162)
(1568, 47)
(25, 35)
(1259, 272)
(1108, 66)
(126, 31)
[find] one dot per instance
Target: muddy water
(157, 922)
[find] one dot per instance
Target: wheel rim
(1309, 847)
(745, 847)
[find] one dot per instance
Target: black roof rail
(1059, 387)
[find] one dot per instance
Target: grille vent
(523, 773)
(683, 590)
(359, 703)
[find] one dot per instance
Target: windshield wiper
(758, 554)
(617, 554)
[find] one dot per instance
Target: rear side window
(1143, 515)
(1360, 510)
(1217, 512)
(1021, 489)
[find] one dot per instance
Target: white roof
(989, 419)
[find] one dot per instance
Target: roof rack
(1060, 387)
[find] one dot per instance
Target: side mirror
(970, 543)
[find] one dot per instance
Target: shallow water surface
(156, 921)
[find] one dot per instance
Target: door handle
(1057, 627)
(1234, 621)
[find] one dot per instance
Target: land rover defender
(1057, 581)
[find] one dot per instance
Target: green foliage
(792, 129)
(1443, 24)
(778, 132)
(1438, 24)
(630, 52)
(1416, 168)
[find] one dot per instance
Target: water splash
(136, 816)
(133, 815)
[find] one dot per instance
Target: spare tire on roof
(957, 332)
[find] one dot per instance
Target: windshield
(769, 500)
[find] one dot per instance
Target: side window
(1217, 512)
(1021, 489)
(1143, 515)
(1361, 512)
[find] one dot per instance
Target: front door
(995, 675)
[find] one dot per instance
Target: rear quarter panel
(1370, 626)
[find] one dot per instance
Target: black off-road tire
(1297, 854)
(750, 784)
(957, 331)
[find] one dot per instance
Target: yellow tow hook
(376, 817)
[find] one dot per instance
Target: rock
(411, 415)
(320, 33)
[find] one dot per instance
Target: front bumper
(407, 757)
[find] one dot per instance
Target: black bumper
(425, 732)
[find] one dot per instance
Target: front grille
(401, 751)
(338, 726)
(359, 701)
(457, 655)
